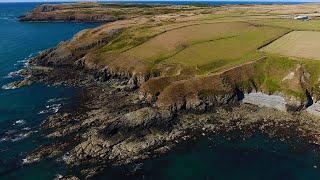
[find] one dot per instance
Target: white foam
(19, 122)
(53, 100)
(26, 129)
(54, 108)
(4, 139)
(8, 18)
(8, 87)
(13, 74)
(65, 157)
(58, 176)
(21, 136)
(25, 161)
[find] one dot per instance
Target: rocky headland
(97, 12)
(132, 109)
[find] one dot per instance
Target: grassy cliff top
(184, 52)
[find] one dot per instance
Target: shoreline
(58, 126)
(122, 118)
(54, 127)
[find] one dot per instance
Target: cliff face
(106, 51)
(213, 90)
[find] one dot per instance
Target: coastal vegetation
(188, 43)
(152, 62)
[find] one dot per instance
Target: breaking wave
(54, 108)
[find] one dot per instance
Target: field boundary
(157, 61)
(196, 24)
(273, 40)
(222, 71)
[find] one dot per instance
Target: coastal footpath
(156, 76)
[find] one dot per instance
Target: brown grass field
(169, 42)
(206, 46)
(300, 44)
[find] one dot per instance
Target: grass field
(232, 50)
(171, 41)
(301, 44)
(206, 47)
(312, 25)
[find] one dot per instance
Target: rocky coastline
(114, 126)
(119, 121)
(96, 12)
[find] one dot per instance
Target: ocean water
(218, 158)
(213, 157)
(22, 110)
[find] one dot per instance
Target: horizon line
(269, 1)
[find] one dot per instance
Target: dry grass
(302, 44)
(312, 25)
(171, 41)
(231, 50)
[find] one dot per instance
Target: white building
(301, 17)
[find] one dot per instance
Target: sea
(210, 157)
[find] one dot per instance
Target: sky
(159, 0)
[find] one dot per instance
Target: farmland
(299, 44)
(187, 46)
(233, 49)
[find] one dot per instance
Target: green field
(312, 25)
(231, 50)
(206, 47)
(187, 51)
(171, 41)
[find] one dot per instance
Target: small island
(156, 76)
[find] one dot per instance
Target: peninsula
(155, 76)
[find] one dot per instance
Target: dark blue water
(217, 158)
(21, 111)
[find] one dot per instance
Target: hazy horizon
(157, 0)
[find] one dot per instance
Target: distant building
(301, 17)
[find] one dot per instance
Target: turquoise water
(22, 110)
(219, 158)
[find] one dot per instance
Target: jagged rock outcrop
(118, 138)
